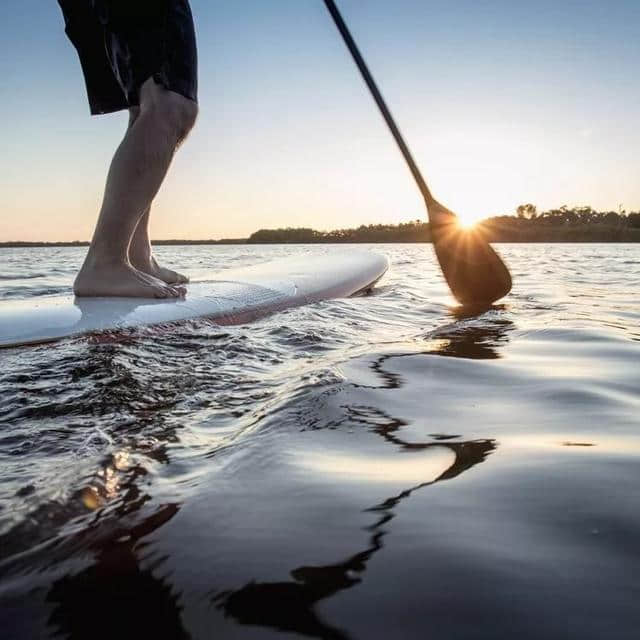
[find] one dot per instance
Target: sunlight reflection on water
(331, 468)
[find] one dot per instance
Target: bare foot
(151, 267)
(121, 280)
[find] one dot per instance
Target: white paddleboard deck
(231, 296)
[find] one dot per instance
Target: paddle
(473, 270)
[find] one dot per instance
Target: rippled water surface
(377, 467)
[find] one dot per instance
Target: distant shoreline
(563, 225)
(178, 243)
(17, 244)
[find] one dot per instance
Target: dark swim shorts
(123, 43)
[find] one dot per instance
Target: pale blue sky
(502, 102)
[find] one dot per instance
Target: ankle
(140, 252)
(97, 259)
(140, 259)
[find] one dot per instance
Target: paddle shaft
(473, 270)
(377, 96)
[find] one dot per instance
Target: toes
(159, 286)
(173, 277)
(161, 292)
(173, 291)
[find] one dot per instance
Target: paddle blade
(474, 272)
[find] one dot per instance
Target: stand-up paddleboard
(232, 296)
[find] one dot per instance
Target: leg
(136, 173)
(140, 251)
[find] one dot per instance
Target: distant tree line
(404, 232)
(577, 224)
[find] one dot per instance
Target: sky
(501, 102)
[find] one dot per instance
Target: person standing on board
(138, 55)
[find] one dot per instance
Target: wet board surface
(231, 296)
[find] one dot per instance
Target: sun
(467, 220)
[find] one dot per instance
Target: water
(378, 467)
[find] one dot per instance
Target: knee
(183, 117)
(174, 114)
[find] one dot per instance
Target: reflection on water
(480, 341)
(289, 475)
(113, 310)
(115, 597)
(104, 468)
(289, 606)
(476, 338)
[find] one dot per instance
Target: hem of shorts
(160, 78)
(181, 88)
(103, 111)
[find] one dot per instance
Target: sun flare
(467, 221)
